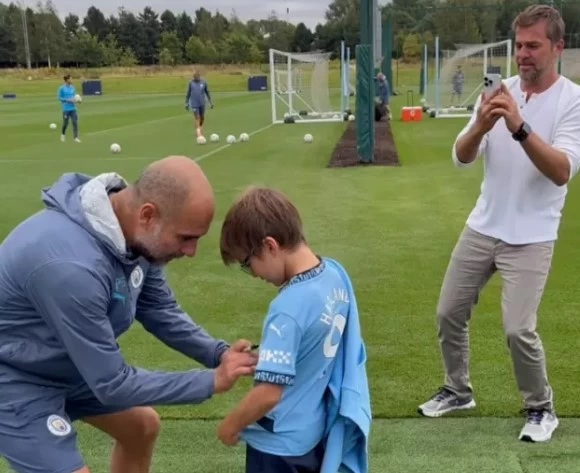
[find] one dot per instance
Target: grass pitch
(392, 227)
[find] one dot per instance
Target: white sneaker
(62, 138)
(77, 140)
(540, 425)
(443, 402)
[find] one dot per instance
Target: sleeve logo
(276, 356)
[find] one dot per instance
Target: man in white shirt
(529, 136)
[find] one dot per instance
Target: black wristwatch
(522, 133)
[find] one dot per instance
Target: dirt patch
(385, 153)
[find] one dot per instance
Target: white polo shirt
(517, 203)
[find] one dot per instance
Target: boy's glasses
(245, 265)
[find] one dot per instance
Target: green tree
(131, 35)
(49, 35)
(86, 50)
(151, 29)
(72, 25)
(128, 58)
(184, 28)
(238, 48)
(7, 37)
(303, 39)
(168, 22)
(170, 42)
(194, 49)
(165, 57)
(111, 51)
(412, 48)
(95, 23)
(210, 53)
(342, 23)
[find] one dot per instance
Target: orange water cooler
(411, 113)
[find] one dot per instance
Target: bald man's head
(173, 205)
(171, 183)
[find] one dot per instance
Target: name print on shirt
(334, 320)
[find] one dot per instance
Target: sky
(310, 12)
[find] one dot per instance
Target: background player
(195, 100)
(66, 96)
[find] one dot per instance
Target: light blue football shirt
(300, 338)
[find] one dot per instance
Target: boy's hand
(226, 434)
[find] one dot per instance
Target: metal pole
(343, 80)
(437, 85)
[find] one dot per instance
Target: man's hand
(236, 361)
(187, 106)
(226, 434)
(504, 105)
(485, 119)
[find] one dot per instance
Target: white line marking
(132, 125)
(203, 156)
(124, 158)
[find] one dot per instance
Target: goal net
(300, 88)
(459, 76)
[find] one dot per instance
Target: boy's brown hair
(259, 212)
(555, 27)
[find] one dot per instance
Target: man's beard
(147, 246)
(140, 249)
(532, 75)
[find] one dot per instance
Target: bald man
(73, 278)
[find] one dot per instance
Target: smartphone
(491, 82)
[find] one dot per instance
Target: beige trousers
(524, 271)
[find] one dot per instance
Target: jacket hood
(85, 200)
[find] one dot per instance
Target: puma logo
(276, 329)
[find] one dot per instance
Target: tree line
(456, 22)
(146, 38)
(169, 38)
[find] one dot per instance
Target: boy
(66, 96)
(311, 350)
(195, 99)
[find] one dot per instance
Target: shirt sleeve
(73, 301)
(188, 93)
(467, 127)
(278, 350)
(162, 316)
(567, 136)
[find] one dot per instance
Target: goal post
(300, 88)
(458, 78)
